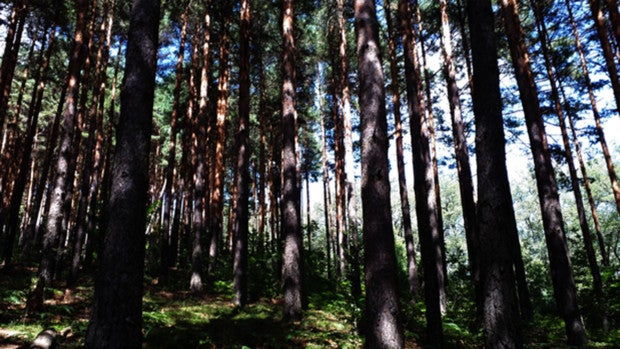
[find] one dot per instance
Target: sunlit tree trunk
(568, 153)
(608, 55)
(595, 112)
(412, 270)
(430, 118)
(57, 200)
(12, 224)
(240, 223)
(495, 213)
(349, 166)
(424, 184)
(198, 138)
(217, 188)
(116, 317)
(586, 179)
(466, 185)
(292, 259)
(325, 175)
(383, 326)
(553, 223)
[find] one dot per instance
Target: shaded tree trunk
(116, 317)
(383, 326)
(219, 172)
(495, 213)
(424, 184)
(291, 220)
(568, 153)
(595, 112)
(170, 191)
(412, 270)
(56, 213)
(601, 31)
(553, 223)
(466, 185)
(240, 223)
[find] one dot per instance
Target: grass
(172, 319)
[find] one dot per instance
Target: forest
(309, 174)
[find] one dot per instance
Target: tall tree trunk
(57, 200)
(412, 270)
(559, 256)
(291, 220)
(614, 17)
(9, 58)
(92, 158)
(217, 187)
(349, 166)
(586, 180)
(424, 186)
(12, 224)
(170, 191)
(568, 153)
(116, 317)
(595, 112)
(601, 31)
(430, 117)
(495, 213)
(325, 175)
(466, 186)
(198, 162)
(240, 224)
(383, 326)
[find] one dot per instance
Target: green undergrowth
(175, 319)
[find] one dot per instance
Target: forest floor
(173, 318)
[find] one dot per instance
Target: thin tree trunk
(412, 270)
(240, 223)
(586, 181)
(198, 136)
(430, 117)
(568, 153)
(601, 30)
(56, 212)
(595, 112)
(170, 190)
(424, 186)
(325, 175)
(9, 59)
(217, 187)
(26, 156)
(384, 328)
(559, 256)
(349, 166)
(466, 186)
(495, 213)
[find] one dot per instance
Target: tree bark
(424, 184)
(553, 223)
(240, 224)
(466, 185)
(495, 213)
(116, 317)
(595, 112)
(568, 153)
(57, 200)
(383, 326)
(412, 269)
(608, 55)
(292, 259)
